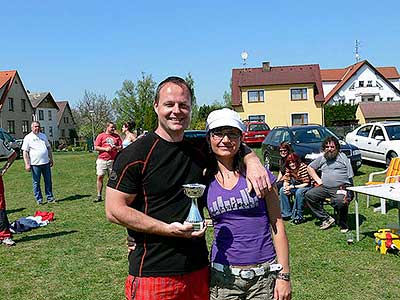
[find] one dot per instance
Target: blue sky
(66, 47)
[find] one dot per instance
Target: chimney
(266, 67)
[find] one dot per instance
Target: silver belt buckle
(247, 274)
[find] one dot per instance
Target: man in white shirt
(5, 152)
(38, 159)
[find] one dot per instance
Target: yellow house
(280, 96)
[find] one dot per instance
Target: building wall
(46, 123)
(17, 92)
(278, 106)
(66, 124)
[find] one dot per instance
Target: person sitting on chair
(336, 175)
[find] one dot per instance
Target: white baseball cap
(224, 117)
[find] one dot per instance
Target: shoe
(39, 202)
(298, 221)
(344, 230)
(327, 223)
(51, 200)
(98, 199)
(8, 242)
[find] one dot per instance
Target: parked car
(255, 133)
(306, 141)
(13, 143)
(378, 142)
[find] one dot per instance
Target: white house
(45, 111)
(361, 82)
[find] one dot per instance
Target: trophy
(194, 191)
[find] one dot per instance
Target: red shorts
(193, 285)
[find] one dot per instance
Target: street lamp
(92, 119)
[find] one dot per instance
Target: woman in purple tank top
(250, 252)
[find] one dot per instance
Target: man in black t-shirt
(145, 195)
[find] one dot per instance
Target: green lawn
(82, 256)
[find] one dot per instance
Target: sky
(67, 47)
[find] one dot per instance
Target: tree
(339, 113)
(134, 102)
(228, 97)
(195, 109)
(93, 110)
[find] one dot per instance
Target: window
(257, 118)
(23, 105)
(10, 104)
(369, 83)
(352, 101)
(66, 120)
(41, 115)
(389, 98)
(255, 96)
(11, 126)
(298, 119)
(42, 130)
(364, 131)
(50, 131)
(63, 132)
(49, 114)
(25, 125)
(361, 84)
(379, 85)
(298, 94)
(352, 86)
(377, 131)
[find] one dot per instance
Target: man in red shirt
(108, 144)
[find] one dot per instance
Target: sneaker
(297, 221)
(39, 202)
(327, 223)
(51, 200)
(8, 242)
(344, 230)
(98, 199)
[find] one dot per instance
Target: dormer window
(369, 83)
(361, 83)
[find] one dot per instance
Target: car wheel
(389, 157)
(267, 161)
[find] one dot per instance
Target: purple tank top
(242, 233)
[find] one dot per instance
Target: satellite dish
(244, 55)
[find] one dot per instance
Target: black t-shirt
(155, 171)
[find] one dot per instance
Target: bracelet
(283, 276)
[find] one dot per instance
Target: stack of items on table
(39, 219)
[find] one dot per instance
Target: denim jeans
(297, 211)
(37, 171)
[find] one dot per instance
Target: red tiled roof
(337, 74)
(276, 76)
(6, 77)
(382, 109)
(348, 73)
(389, 72)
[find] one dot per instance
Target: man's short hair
(176, 80)
(330, 139)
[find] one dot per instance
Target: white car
(378, 141)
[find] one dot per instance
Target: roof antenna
(244, 56)
(357, 48)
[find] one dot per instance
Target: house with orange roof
(282, 95)
(65, 122)
(360, 82)
(45, 111)
(16, 111)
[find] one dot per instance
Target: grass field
(82, 256)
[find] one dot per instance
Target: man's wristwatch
(283, 276)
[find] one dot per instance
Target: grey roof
(36, 98)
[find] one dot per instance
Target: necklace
(227, 174)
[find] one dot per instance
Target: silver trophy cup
(194, 191)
